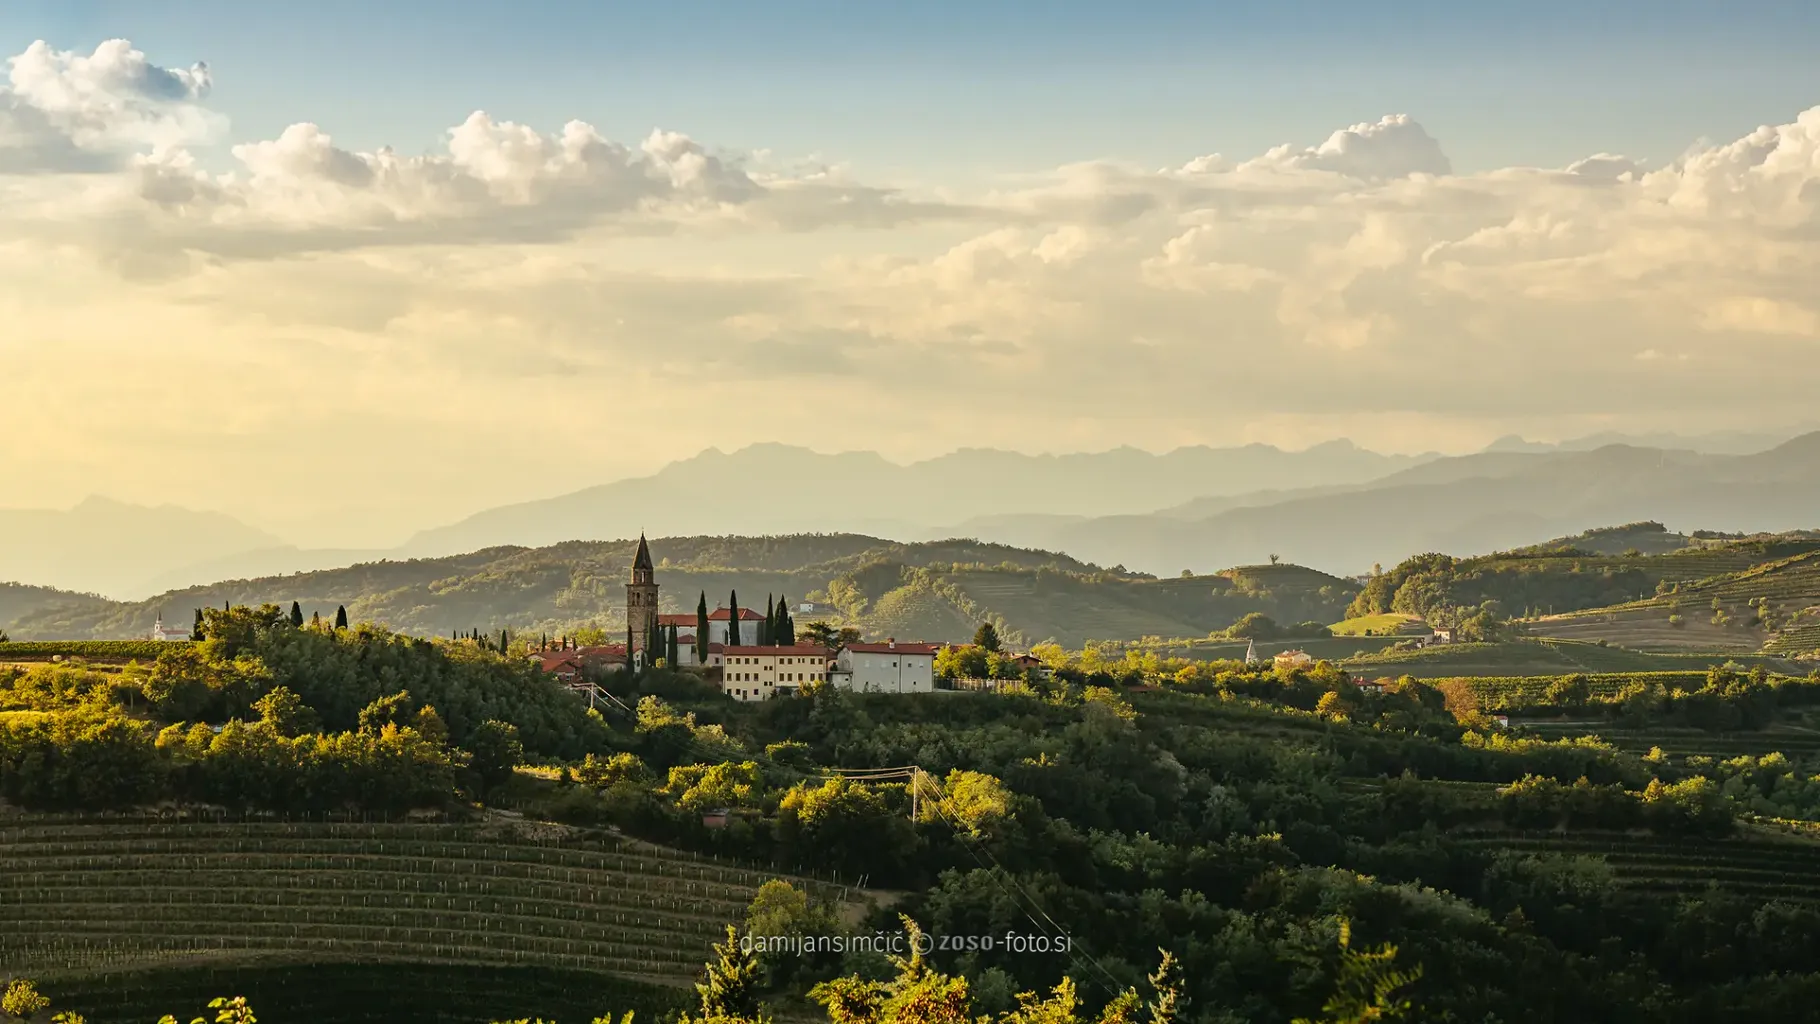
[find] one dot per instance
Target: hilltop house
(1293, 659)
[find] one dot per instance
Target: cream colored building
(758, 673)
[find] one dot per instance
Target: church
(642, 614)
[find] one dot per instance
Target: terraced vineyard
(79, 898)
(364, 993)
(1751, 867)
(1786, 585)
(1795, 742)
(1505, 693)
(1542, 657)
(1803, 639)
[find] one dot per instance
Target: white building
(756, 673)
(719, 621)
(1293, 659)
(160, 631)
(889, 667)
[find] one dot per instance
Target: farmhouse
(1293, 659)
(889, 667)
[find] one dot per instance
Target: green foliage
(729, 988)
(495, 750)
(986, 637)
(1368, 985)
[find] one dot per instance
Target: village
(753, 656)
(750, 655)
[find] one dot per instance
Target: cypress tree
(315, 620)
(505, 640)
(196, 630)
(341, 616)
(733, 637)
(701, 630)
(296, 615)
(786, 631)
(672, 651)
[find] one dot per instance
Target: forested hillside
(1249, 821)
(937, 590)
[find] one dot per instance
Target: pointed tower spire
(643, 560)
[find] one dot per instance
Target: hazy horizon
(234, 282)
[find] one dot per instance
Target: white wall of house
(887, 668)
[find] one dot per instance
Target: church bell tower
(641, 601)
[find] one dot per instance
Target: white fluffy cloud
(65, 111)
(1358, 285)
(1394, 147)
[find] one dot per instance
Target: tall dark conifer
(770, 619)
(196, 630)
(733, 624)
(786, 625)
(701, 630)
(341, 616)
(296, 615)
(672, 650)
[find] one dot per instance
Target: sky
(345, 270)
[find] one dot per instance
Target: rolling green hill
(936, 591)
(1033, 605)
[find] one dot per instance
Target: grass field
(81, 898)
(1385, 624)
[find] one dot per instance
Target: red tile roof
(717, 615)
(799, 651)
(929, 649)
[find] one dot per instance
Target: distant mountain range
(1472, 504)
(759, 490)
(110, 547)
(1334, 506)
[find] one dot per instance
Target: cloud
(497, 285)
(61, 111)
(1393, 147)
(1605, 166)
